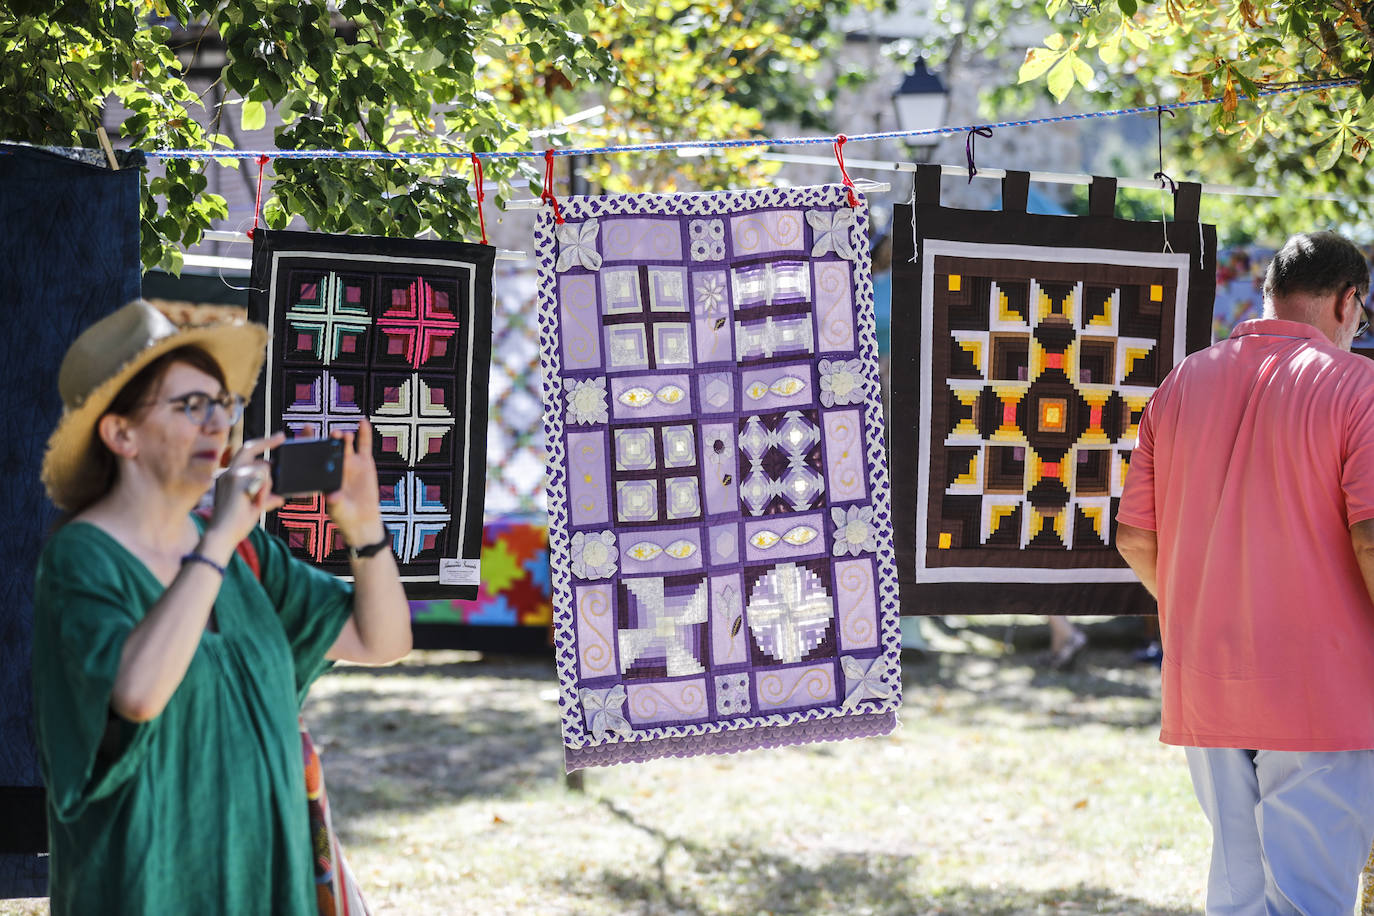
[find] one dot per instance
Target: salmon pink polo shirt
(1255, 457)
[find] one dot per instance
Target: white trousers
(1291, 830)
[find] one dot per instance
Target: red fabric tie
(257, 203)
(848, 182)
(481, 196)
(548, 186)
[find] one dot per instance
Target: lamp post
(922, 102)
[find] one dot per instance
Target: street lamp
(922, 102)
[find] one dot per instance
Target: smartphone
(302, 466)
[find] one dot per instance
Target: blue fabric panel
(68, 256)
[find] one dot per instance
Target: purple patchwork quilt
(720, 528)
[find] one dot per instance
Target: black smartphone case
(307, 466)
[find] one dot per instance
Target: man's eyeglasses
(198, 406)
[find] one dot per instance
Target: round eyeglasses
(198, 406)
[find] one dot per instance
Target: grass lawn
(1005, 790)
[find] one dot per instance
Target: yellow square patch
(945, 540)
(955, 282)
(1156, 293)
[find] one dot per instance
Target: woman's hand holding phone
(355, 505)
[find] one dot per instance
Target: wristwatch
(371, 550)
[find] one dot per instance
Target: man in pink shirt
(1248, 512)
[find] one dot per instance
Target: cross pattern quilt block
(720, 529)
(1025, 349)
(397, 331)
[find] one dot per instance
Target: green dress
(201, 810)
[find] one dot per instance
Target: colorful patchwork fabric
(1025, 348)
(516, 589)
(398, 331)
(718, 497)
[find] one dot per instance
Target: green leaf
(171, 260)
(1139, 38)
(1331, 151)
(274, 214)
(1038, 61)
(1249, 135)
(1060, 79)
(253, 116)
(1081, 71)
(1128, 7)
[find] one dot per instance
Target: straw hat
(102, 361)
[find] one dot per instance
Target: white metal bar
(218, 262)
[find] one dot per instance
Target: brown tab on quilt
(1187, 202)
(1102, 197)
(1015, 192)
(928, 185)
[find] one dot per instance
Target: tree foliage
(366, 74)
(417, 76)
(707, 70)
(1128, 53)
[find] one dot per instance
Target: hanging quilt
(514, 606)
(398, 331)
(1024, 349)
(515, 431)
(718, 498)
(69, 257)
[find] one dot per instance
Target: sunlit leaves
(1346, 136)
(253, 115)
(398, 74)
(1184, 50)
(688, 70)
(1059, 62)
(421, 76)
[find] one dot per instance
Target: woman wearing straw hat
(167, 674)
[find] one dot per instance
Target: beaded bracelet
(194, 557)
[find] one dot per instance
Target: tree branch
(1360, 22)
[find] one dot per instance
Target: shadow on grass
(403, 751)
(689, 879)
(1103, 690)
(407, 746)
(461, 665)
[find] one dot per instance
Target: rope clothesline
(1070, 178)
(1314, 86)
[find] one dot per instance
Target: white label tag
(460, 572)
